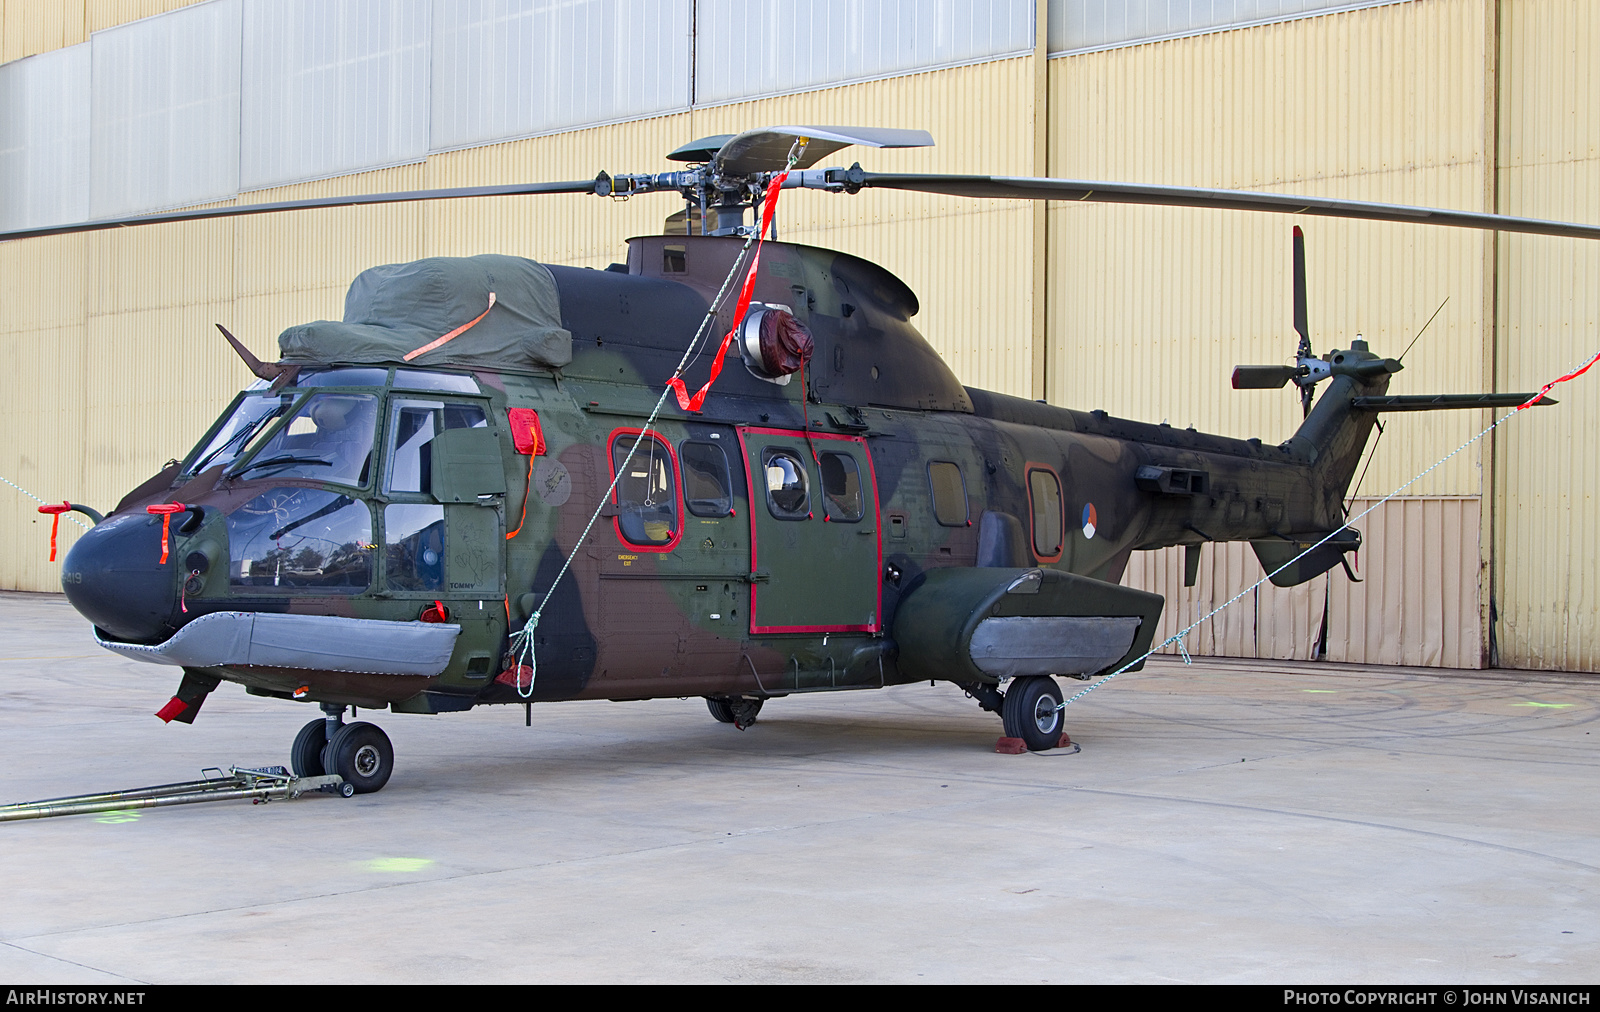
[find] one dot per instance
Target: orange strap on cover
(436, 342)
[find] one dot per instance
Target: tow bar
(270, 783)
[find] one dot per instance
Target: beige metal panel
(1547, 518)
(1265, 621)
(45, 423)
(315, 249)
(133, 269)
(100, 14)
(28, 27)
(154, 380)
(1417, 603)
(1173, 298)
(43, 282)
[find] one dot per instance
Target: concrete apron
(1228, 822)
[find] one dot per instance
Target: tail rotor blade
(1262, 377)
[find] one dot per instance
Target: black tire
(740, 711)
(305, 755)
(1031, 712)
(361, 754)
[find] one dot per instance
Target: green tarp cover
(393, 310)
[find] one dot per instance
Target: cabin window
(707, 484)
(413, 546)
(413, 425)
(289, 539)
(1044, 493)
(841, 487)
(949, 493)
(788, 491)
(646, 497)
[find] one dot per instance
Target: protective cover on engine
(398, 310)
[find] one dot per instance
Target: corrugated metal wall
(116, 366)
(1547, 468)
(1417, 602)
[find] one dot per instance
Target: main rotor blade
(767, 149)
(1044, 188)
(1301, 327)
(234, 211)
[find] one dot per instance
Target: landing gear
(1031, 711)
(740, 711)
(305, 755)
(362, 755)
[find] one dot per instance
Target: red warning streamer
(768, 207)
(1536, 398)
(55, 522)
(165, 511)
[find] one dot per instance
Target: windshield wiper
(285, 461)
(241, 437)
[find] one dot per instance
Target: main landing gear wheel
(740, 711)
(362, 755)
(1031, 712)
(305, 755)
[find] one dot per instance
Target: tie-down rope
(36, 499)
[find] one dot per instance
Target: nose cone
(114, 577)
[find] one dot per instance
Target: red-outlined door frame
(757, 500)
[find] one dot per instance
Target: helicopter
(474, 489)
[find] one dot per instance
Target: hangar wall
(1476, 104)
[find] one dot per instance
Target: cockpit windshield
(327, 436)
(252, 415)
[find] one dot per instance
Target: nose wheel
(305, 755)
(360, 753)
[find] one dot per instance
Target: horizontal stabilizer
(1294, 559)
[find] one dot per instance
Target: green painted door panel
(815, 549)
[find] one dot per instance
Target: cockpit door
(444, 483)
(815, 549)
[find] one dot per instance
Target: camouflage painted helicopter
(371, 521)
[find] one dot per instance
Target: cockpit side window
(413, 425)
(289, 539)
